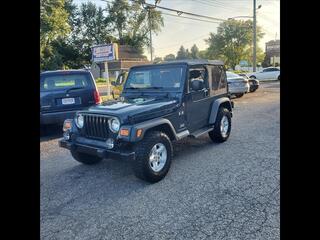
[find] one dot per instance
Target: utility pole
(254, 36)
(149, 14)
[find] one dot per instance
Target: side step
(200, 132)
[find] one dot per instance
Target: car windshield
(155, 78)
(58, 81)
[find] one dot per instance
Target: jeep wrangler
(159, 104)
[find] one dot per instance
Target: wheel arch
(222, 102)
(161, 124)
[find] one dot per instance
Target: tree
(182, 53)
(231, 42)
(203, 54)
(169, 57)
(157, 59)
(195, 54)
(53, 25)
(91, 27)
(130, 21)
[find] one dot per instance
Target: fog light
(109, 143)
(66, 135)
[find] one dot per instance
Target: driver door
(198, 103)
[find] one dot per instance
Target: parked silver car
(237, 84)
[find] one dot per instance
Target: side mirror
(197, 85)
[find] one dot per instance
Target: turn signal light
(67, 125)
(124, 132)
(139, 132)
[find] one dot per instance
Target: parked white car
(270, 73)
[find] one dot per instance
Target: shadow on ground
(50, 132)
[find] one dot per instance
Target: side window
(198, 74)
(218, 78)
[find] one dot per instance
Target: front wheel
(153, 156)
(85, 158)
(222, 126)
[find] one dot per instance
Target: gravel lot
(212, 191)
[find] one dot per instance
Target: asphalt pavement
(212, 191)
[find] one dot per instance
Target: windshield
(52, 82)
(155, 78)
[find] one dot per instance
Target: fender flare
(215, 108)
(146, 125)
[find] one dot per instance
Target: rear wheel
(279, 77)
(222, 126)
(85, 158)
(153, 157)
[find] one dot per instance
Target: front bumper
(96, 151)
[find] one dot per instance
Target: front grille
(95, 126)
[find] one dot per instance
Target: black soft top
(190, 62)
(65, 71)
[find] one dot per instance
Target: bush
(103, 80)
(100, 80)
(240, 71)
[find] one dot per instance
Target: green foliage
(68, 32)
(53, 25)
(232, 41)
(130, 22)
(157, 60)
(183, 53)
(195, 54)
(169, 57)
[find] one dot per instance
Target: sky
(186, 32)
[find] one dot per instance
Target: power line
(179, 12)
(178, 16)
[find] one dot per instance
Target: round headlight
(114, 125)
(79, 121)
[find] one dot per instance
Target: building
(273, 53)
(127, 57)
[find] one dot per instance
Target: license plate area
(68, 101)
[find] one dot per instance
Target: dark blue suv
(63, 92)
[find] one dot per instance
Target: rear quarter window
(60, 81)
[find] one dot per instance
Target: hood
(136, 109)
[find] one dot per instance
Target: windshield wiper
(132, 88)
(153, 88)
(74, 88)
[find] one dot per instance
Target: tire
(85, 158)
(253, 89)
(254, 77)
(279, 78)
(216, 134)
(143, 166)
(239, 95)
